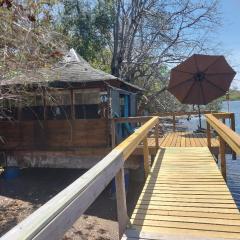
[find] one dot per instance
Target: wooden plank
(208, 135)
(121, 202)
(146, 157)
(223, 158)
(133, 234)
(185, 194)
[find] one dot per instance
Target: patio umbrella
(200, 79)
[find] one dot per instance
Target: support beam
(209, 136)
(72, 105)
(121, 202)
(222, 147)
(113, 133)
(174, 122)
(157, 136)
(234, 157)
(146, 157)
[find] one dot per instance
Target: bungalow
(65, 121)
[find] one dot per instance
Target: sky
(229, 35)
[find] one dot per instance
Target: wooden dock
(184, 139)
(184, 197)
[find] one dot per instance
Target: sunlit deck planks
(184, 139)
(185, 195)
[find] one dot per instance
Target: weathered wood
(113, 133)
(55, 134)
(229, 136)
(121, 202)
(222, 157)
(141, 119)
(72, 105)
(146, 157)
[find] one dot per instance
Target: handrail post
(174, 122)
(157, 136)
(209, 136)
(232, 117)
(121, 202)
(145, 157)
(113, 133)
(222, 147)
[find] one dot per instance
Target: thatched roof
(72, 69)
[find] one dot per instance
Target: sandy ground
(21, 196)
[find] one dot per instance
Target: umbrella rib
(189, 91)
(212, 63)
(195, 60)
(213, 74)
(216, 86)
(176, 70)
(177, 85)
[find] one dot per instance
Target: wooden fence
(226, 136)
(56, 216)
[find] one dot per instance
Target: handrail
(229, 136)
(226, 135)
(56, 216)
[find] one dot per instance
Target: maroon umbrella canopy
(201, 79)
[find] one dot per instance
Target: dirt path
(23, 195)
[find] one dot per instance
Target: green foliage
(88, 29)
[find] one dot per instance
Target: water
(233, 166)
(234, 106)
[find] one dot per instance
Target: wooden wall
(54, 134)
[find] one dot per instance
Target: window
(86, 104)
(32, 108)
(59, 105)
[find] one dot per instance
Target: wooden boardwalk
(184, 197)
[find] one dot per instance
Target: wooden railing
(174, 115)
(226, 136)
(56, 216)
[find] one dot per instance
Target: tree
(145, 37)
(150, 35)
(88, 29)
(27, 42)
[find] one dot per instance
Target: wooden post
(174, 122)
(145, 157)
(121, 202)
(157, 136)
(234, 157)
(44, 105)
(222, 157)
(209, 136)
(72, 105)
(113, 133)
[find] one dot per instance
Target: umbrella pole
(199, 116)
